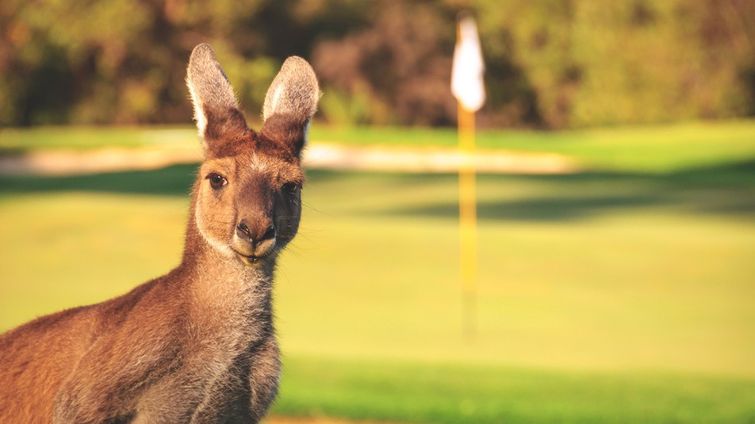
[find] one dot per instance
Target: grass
(607, 296)
(84, 138)
(453, 393)
(657, 149)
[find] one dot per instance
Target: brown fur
(198, 344)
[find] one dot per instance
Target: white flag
(466, 75)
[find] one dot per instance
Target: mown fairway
(620, 295)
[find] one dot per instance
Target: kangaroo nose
(255, 237)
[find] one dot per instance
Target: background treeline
(550, 63)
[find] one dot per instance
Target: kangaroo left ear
(215, 107)
(290, 103)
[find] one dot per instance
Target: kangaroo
(198, 344)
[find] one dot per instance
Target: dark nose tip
(255, 237)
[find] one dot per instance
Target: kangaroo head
(247, 195)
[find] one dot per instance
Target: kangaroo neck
(224, 291)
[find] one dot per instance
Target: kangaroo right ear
(216, 109)
(290, 103)
(294, 91)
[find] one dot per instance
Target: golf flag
(468, 87)
(466, 75)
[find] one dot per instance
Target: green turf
(82, 138)
(603, 296)
(662, 148)
(652, 148)
(452, 393)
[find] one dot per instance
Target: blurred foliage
(550, 63)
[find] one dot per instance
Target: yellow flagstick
(468, 88)
(468, 219)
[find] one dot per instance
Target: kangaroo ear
(216, 109)
(290, 103)
(294, 91)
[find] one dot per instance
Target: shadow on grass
(538, 208)
(724, 189)
(174, 180)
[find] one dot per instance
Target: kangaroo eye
(217, 181)
(290, 188)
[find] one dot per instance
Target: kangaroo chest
(229, 378)
(230, 368)
(242, 355)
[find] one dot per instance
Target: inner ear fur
(294, 91)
